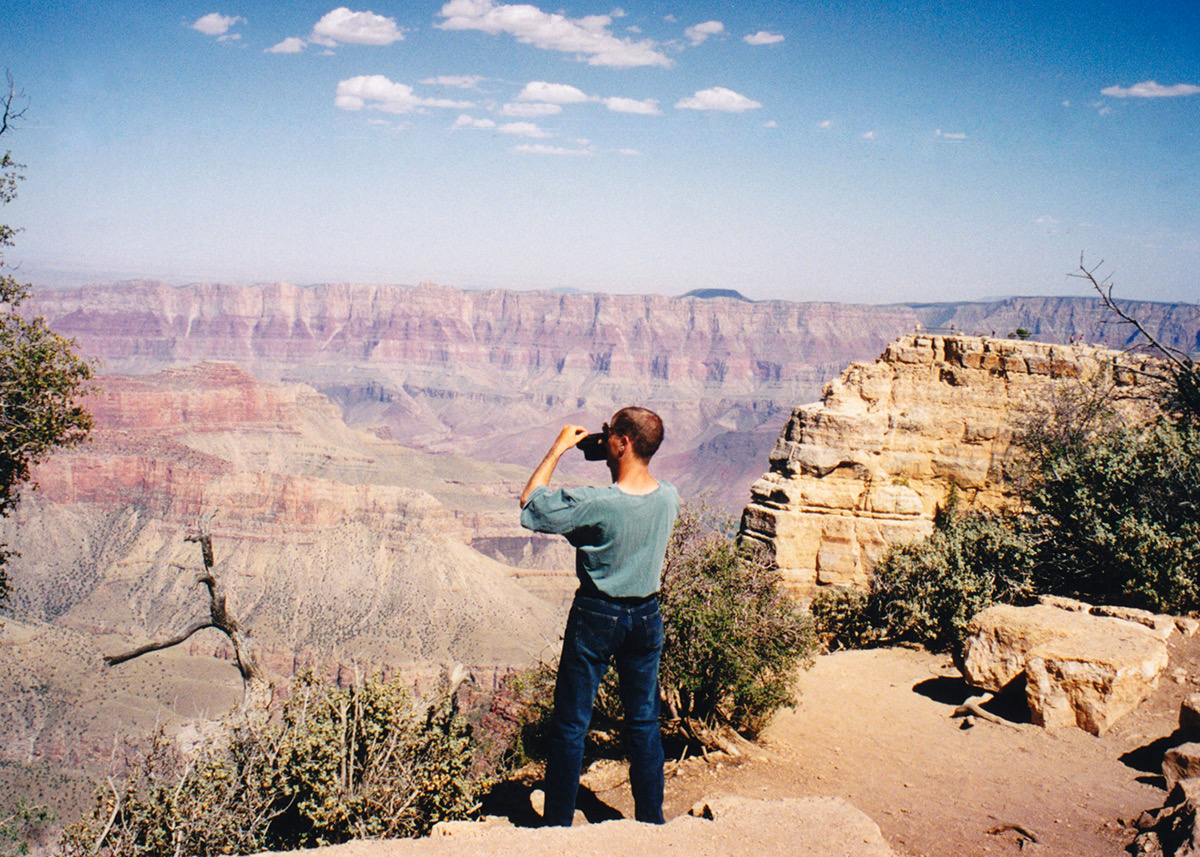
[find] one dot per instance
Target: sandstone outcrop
(868, 464)
(1078, 669)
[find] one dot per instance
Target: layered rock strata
(495, 374)
(868, 464)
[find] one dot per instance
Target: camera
(594, 447)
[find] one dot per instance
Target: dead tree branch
(1104, 288)
(11, 111)
(256, 693)
(1183, 371)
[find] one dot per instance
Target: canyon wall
(868, 464)
(494, 374)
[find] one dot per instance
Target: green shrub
(734, 639)
(1116, 517)
(842, 619)
(338, 763)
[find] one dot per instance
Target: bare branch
(199, 625)
(11, 103)
(255, 691)
(1104, 288)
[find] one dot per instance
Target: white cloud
(1046, 220)
(290, 45)
(552, 93)
(947, 135)
(461, 81)
(649, 107)
(718, 98)
(341, 26)
(543, 149)
(1152, 89)
(377, 92)
(869, 135)
(523, 129)
(216, 24)
(631, 152)
(465, 121)
(762, 37)
(585, 37)
(771, 124)
(530, 109)
(828, 123)
(701, 32)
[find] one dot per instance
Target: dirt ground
(875, 727)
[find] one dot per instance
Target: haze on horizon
(875, 151)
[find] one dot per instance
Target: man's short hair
(642, 426)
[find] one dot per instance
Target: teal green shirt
(620, 539)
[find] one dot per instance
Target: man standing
(620, 537)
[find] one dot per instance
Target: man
(620, 536)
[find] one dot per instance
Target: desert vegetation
(1107, 509)
(333, 763)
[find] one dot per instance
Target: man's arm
(567, 438)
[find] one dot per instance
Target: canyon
(360, 449)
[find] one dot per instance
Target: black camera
(594, 446)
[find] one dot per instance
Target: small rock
(1187, 626)
(1181, 763)
(1179, 675)
(712, 808)
(537, 800)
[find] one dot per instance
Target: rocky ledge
(868, 464)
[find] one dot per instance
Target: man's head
(642, 427)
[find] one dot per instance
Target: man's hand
(567, 438)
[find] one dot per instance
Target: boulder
(1079, 669)
(1181, 763)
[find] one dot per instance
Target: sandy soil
(875, 727)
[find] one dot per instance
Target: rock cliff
(869, 463)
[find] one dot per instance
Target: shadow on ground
(511, 800)
(1008, 705)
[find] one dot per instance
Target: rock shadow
(1149, 757)
(1008, 705)
(511, 799)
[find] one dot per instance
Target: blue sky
(906, 150)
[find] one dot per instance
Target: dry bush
(335, 764)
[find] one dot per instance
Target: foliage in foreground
(735, 640)
(338, 763)
(1117, 518)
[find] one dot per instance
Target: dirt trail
(874, 727)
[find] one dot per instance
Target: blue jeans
(631, 636)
